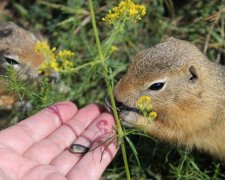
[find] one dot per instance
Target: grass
(68, 25)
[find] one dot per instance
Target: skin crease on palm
(38, 147)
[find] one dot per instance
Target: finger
(96, 160)
(44, 151)
(102, 125)
(41, 172)
(24, 134)
(12, 163)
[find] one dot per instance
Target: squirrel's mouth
(120, 107)
(127, 114)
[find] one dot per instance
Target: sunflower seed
(78, 149)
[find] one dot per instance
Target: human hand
(37, 148)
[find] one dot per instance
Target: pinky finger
(93, 164)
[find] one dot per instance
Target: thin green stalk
(120, 130)
(95, 30)
(91, 63)
(110, 90)
(112, 37)
(110, 41)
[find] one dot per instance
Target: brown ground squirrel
(187, 92)
(16, 50)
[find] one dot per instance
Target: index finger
(22, 135)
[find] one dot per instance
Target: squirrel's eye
(11, 61)
(156, 86)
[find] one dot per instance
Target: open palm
(37, 148)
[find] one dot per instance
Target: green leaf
(134, 150)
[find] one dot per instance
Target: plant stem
(91, 63)
(110, 41)
(95, 30)
(109, 89)
(120, 130)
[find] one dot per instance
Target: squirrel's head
(174, 75)
(17, 50)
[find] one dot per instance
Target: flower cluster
(144, 105)
(126, 10)
(62, 57)
(54, 62)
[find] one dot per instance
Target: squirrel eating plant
(187, 93)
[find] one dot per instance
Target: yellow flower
(153, 114)
(53, 49)
(113, 49)
(65, 53)
(67, 64)
(54, 66)
(53, 62)
(126, 10)
(143, 103)
(42, 46)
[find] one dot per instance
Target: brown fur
(18, 44)
(189, 113)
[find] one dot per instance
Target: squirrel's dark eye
(11, 61)
(156, 86)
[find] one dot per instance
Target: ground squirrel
(16, 50)
(187, 92)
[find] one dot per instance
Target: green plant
(67, 24)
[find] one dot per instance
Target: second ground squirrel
(17, 50)
(187, 92)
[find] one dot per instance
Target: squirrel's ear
(194, 76)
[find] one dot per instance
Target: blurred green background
(67, 25)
